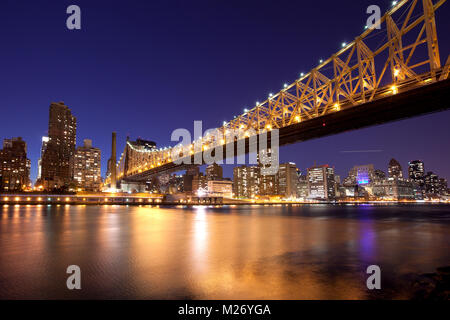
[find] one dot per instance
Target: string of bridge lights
(344, 46)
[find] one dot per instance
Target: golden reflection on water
(210, 253)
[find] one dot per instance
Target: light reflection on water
(235, 252)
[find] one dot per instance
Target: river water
(229, 252)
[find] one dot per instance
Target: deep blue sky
(143, 68)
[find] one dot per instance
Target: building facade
(246, 181)
(287, 179)
(395, 169)
(87, 167)
(321, 184)
(220, 188)
(14, 165)
(57, 161)
(214, 172)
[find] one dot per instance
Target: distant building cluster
(321, 183)
(65, 167)
(61, 167)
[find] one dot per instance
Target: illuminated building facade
(287, 178)
(214, 172)
(223, 188)
(58, 157)
(395, 169)
(246, 181)
(321, 184)
(87, 168)
(14, 165)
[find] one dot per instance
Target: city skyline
(105, 79)
(228, 169)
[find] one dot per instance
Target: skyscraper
(267, 182)
(246, 180)
(14, 165)
(321, 184)
(214, 172)
(287, 179)
(416, 172)
(58, 157)
(395, 169)
(87, 172)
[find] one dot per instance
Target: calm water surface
(243, 252)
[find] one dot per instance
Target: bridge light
(337, 107)
(344, 44)
(224, 123)
(222, 141)
(297, 118)
(285, 85)
(269, 127)
(320, 61)
(245, 110)
(394, 89)
(396, 72)
(257, 103)
(241, 126)
(302, 74)
(270, 95)
(394, 3)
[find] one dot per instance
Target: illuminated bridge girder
(379, 65)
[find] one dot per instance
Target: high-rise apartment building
(416, 172)
(14, 165)
(246, 181)
(268, 185)
(57, 161)
(395, 169)
(87, 168)
(432, 185)
(321, 184)
(214, 172)
(287, 179)
(302, 187)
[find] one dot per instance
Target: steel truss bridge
(385, 74)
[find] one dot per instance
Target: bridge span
(384, 75)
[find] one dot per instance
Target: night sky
(145, 68)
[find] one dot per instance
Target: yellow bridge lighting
(312, 94)
(394, 89)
